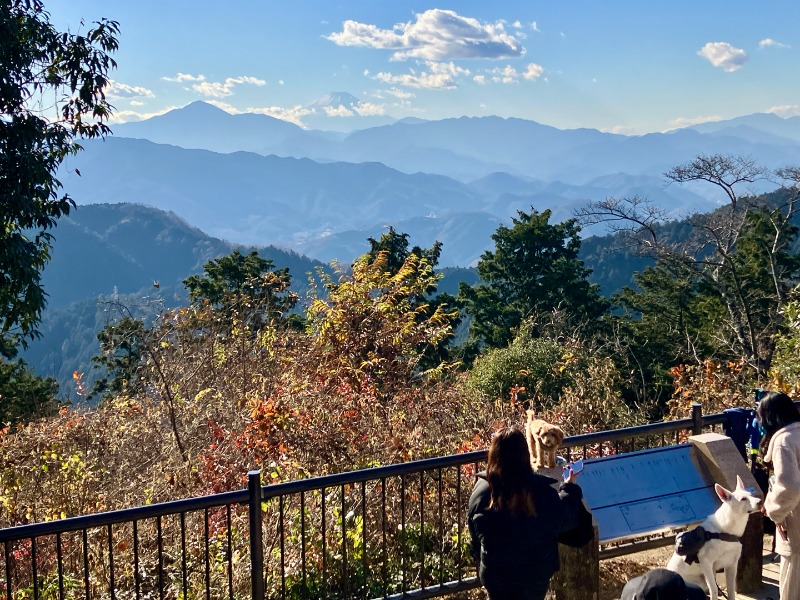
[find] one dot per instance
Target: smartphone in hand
(576, 467)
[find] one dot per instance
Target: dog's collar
(725, 537)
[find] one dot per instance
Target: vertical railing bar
(364, 587)
(184, 566)
(207, 543)
(160, 546)
(697, 418)
(404, 533)
(422, 528)
(34, 570)
(324, 548)
(385, 557)
(229, 552)
(7, 552)
(255, 524)
(136, 575)
(111, 562)
(86, 562)
(281, 532)
(60, 560)
(344, 540)
(459, 565)
(441, 528)
(303, 542)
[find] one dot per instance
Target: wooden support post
(579, 576)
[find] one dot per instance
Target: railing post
(256, 524)
(697, 418)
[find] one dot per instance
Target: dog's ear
(530, 414)
(723, 494)
(739, 483)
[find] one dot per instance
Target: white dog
(718, 544)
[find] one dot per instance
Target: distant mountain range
(254, 179)
(125, 248)
(163, 196)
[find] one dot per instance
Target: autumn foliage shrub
(563, 378)
(715, 386)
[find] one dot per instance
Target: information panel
(647, 491)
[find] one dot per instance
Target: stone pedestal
(718, 454)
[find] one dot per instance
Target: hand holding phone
(575, 467)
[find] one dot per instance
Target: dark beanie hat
(661, 584)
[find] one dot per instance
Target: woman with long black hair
(779, 419)
(515, 517)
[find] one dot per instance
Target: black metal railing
(395, 532)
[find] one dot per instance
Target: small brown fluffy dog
(543, 440)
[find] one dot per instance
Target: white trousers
(789, 583)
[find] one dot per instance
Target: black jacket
(522, 547)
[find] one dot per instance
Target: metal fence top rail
(125, 515)
(315, 483)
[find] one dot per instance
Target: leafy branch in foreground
(51, 95)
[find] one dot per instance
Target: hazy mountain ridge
(468, 148)
(320, 192)
(111, 258)
(101, 248)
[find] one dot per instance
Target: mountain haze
(253, 179)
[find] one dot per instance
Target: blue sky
(618, 65)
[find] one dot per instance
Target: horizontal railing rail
(395, 531)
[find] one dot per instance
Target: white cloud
(183, 77)
(136, 103)
(535, 26)
(724, 56)
(507, 74)
(786, 110)
(533, 71)
(119, 91)
(766, 42)
(401, 94)
(620, 130)
(214, 89)
(440, 76)
(217, 89)
(681, 122)
(368, 109)
(127, 116)
(516, 25)
(435, 35)
(294, 114)
(338, 111)
(228, 108)
(479, 79)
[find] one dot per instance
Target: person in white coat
(779, 419)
